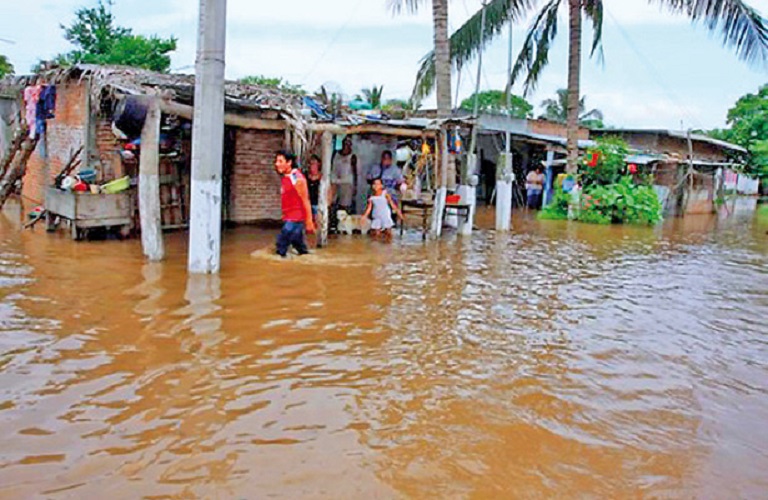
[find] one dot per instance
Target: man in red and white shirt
(297, 211)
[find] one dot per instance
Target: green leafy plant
(624, 202)
(99, 40)
(610, 155)
(558, 208)
(6, 68)
(495, 101)
(273, 82)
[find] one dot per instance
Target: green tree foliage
(495, 101)
(556, 110)
(748, 127)
(273, 82)
(610, 193)
(398, 104)
(6, 68)
(99, 40)
(373, 95)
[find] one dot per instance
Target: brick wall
(107, 151)
(546, 127)
(65, 134)
(255, 188)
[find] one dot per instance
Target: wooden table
(87, 210)
(417, 207)
(425, 209)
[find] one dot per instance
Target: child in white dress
(380, 208)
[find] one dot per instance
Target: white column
(149, 185)
(468, 193)
(545, 197)
(208, 140)
(442, 190)
(325, 183)
(504, 175)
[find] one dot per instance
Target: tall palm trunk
(442, 58)
(574, 84)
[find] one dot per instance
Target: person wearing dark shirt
(314, 176)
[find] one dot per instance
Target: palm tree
(556, 109)
(440, 74)
(373, 96)
(743, 29)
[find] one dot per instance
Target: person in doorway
(488, 171)
(296, 208)
(534, 184)
(389, 174)
(343, 176)
(380, 208)
(314, 176)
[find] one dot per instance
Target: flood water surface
(559, 360)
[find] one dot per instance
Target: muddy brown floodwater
(559, 360)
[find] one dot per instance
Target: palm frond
(593, 10)
(593, 114)
(534, 54)
(742, 27)
(397, 6)
(470, 38)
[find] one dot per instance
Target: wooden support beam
(231, 119)
(149, 185)
(370, 129)
(325, 182)
(16, 169)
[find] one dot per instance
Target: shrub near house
(612, 192)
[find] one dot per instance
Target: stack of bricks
(65, 134)
(255, 188)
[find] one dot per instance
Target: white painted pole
(149, 185)
(439, 206)
(504, 192)
(468, 187)
(505, 172)
(208, 140)
(325, 183)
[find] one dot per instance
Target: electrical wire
(674, 99)
(333, 41)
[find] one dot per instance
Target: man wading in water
(297, 211)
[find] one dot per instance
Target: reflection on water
(559, 359)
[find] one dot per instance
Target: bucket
(116, 186)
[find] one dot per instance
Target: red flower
(632, 168)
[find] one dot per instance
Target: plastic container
(116, 186)
(88, 175)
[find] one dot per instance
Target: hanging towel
(31, 96)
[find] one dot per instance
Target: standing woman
(314, 176)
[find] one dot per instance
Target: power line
(651, 70)
(333, 41)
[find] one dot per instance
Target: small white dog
(348, 224)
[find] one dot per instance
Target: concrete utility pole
(208, 140)
(504, 168)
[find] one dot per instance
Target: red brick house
(89, 99)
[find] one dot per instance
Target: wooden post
(149, 185)
(325, 182)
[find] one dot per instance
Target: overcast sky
(659, 71)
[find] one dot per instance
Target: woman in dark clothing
(314, 175)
